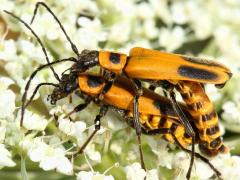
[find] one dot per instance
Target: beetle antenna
(24, 97)
(73, 46)
(37, 88)
(38, 39)
(66, 70)
(33, 95)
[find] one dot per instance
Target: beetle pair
(151, 66)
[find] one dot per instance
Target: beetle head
(66, 86)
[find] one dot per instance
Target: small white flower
(7, 5)
(13, 133)
(179, 13)
(33, 121)
(79, 128)
(74, 129)
(56, 110)
(5, 83)
(134, 171)
(118, 34)
(85, 175)
(84, 22)
(230, 115)
(27, 142)
(64, 165)
(181, 163)
(66, 126)
(203, 26)
(31, 51)
(144, 11)
(92, 153)
(8, 50)
(44, 20)
(200, 32)
(113, 121)
(116, 148)
(50, 158)
(36, 151)
(2, 133)
(90, 34)
(31, 89)
(152, 174)
(161, 9)
(160, 149)
(150, 29)
(131, 156)
(228, 165)
(7, 103)
(5, 157)
(212, 92)
(171, 39)
(15, 70)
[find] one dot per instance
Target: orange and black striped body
(121, 95)
(204, 116)
(151, 65)
(146, 64)
(154, 122)
(155, 111)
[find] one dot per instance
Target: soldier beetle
(141, 64)
(156, 113)
(144, 64)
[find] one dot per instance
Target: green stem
(23, 167)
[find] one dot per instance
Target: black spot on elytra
(195, 73)
(94, 81)
(114, 58)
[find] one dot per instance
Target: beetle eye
(68, 88)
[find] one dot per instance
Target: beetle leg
(70, 99)
(182, 117)
(137, 125)
(110, 80)
(103, 111)
(168, 131)
(152, 87)
(79, 107)
(186, 123)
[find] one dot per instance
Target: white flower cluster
(7, 108)
(209, 28)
